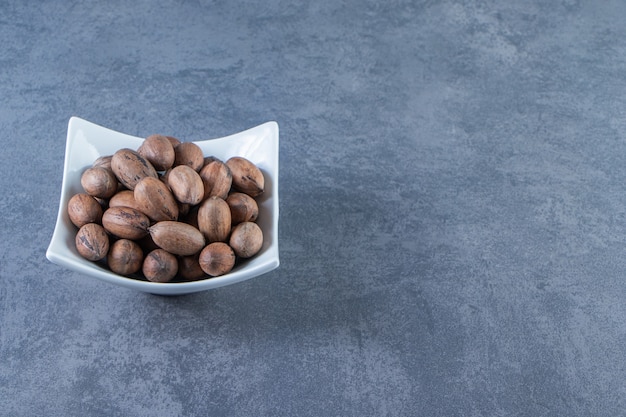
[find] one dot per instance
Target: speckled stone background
(453, 208)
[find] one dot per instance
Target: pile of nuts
(166, 212)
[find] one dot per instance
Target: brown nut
(159, 266)
(99, 182)
(243, 208)
(103, 162)
(188, 153)
(125, 257)
(155, 199)
(216, 178)
(247, 177)
(124, 198)
(125, 222)
(177, 237)
(92, 242)
(83, 208)
(158, 150)
(186, 184)
(174, 141)
(246, 239)
(209, 159)
(129, 167)
(214, 219)
(217, 259)
(189, 268)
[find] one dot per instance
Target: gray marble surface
(453, 208)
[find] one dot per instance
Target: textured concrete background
(453, 208)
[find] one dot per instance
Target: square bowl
(87, 141)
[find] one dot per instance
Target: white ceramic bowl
(87, 141)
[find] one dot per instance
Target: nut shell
(188, 153)
(129, 167)
(177, 237)
(246, 239)
(216, 178)
(158, 150)
(124, 198)
(186, 184)
(217, 259)
(247, 177)
(83, 208)
(103, 162)
(99, 182)
(243, 208)
(125, 222)
(174, 141)
(92, 242)
(214, 219)
(125, 257)
(155, 199)
(159, 266)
